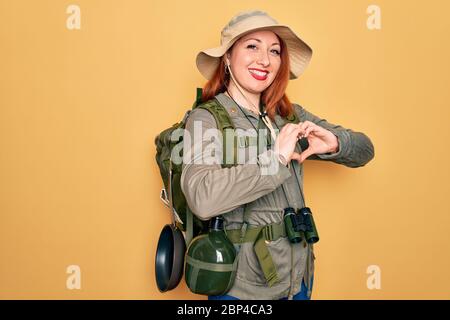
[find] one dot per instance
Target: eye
(277, 52)
(251, 46)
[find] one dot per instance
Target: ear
(227, 58)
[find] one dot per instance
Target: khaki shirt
(211, 190)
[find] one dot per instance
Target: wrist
(336, 147)
(282, 160)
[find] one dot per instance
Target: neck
(236, 94)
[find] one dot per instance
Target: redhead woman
(248, 75)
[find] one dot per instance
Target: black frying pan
(169, 258)
(169, 262)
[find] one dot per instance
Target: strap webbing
(216, 267)
(198, 265)
(258, 236)
(265, 260)
(189, 225)
(193, 280)
(272, 232)
(226, 127)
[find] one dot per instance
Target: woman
(248, 74)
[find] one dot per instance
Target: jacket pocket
(250, 270)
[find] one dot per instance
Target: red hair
(274, 97)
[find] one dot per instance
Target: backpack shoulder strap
(219, 113)
(223, 122)
(198, 99)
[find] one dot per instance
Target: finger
(296, 156)
(290, 127)
(306, 125)
(300, 133)
(301, 130)
(309, 123)
(293, 130)
(285, 130)
(311, 127)
(309, 130)
(305, 154)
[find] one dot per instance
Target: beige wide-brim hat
(248, 21)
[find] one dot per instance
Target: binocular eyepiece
(300, 225)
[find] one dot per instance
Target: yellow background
(79, 111)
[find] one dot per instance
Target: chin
(256, 89)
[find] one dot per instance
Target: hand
(286, 141)
(320, 140)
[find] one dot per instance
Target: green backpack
(171, 172)
(171, 194)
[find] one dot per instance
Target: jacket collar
(232, 107)
(234, 112)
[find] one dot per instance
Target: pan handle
(164, 198)
(170, 192)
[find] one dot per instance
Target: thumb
(296, 156)
(305, 154)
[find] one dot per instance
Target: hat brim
(300, 53)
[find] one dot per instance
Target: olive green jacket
(211, 190)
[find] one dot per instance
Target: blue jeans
(301, 295)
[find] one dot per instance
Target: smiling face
(255, 60)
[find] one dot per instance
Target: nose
(263, 58)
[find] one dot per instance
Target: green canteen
(311, 234)
(210, 263)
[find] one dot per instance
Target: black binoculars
(300, 225)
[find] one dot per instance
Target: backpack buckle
(243, 231)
